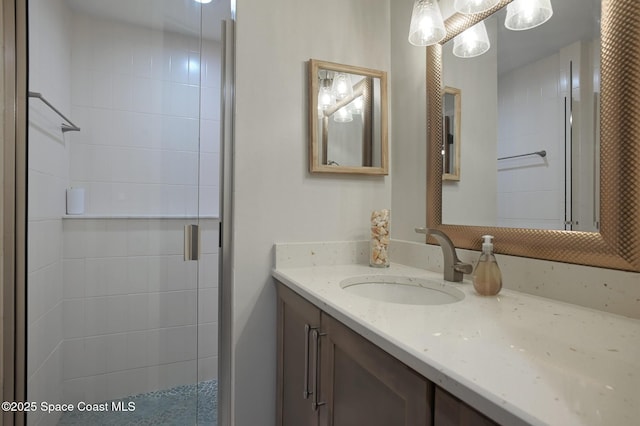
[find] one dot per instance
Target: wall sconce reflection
(526, 14)
(338, 97)
(521, 15)
(472, 42)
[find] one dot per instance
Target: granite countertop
(519, 359)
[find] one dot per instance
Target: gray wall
(275, 198)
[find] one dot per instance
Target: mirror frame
(617, 245)
(457, 96)
(315, 166)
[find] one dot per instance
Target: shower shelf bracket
(66, 127)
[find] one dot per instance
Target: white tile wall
(531, 189)
(49, 74)
(140, 93)
(530, 183)
(133, 308)
(113, 308)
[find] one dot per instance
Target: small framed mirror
(452, 102)
(348, 131)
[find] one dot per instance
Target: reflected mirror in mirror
(347, 119)
(532, 91)
(451, 102)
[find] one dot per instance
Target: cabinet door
(450, 411)
(295, 374)
(363, 385)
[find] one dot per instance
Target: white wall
(472, 199)
(531, 189)
(275, 198)
(409, 132)
(50, 74)
(136, 316)
(136, 94)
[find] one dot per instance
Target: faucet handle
(453, 267)
(465, 268)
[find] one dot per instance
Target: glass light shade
(427, 26)
(341, 87)
(472, 42)
(474, 6)
(203, 1)
(356, 105)
(527, 14)
(325, 99)
(343, 115)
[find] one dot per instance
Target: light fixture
(325, 99)
(356, 105)
(203, 1)
(427, 26)
(527, 14)
(341, 87)
(343, 115)
(472, 42)
(474, 6)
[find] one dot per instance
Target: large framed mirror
(610, 236)
(348, 130)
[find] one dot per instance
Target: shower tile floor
(169, 407)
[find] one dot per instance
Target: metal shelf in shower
(70, 127)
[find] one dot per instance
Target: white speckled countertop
(519, 359)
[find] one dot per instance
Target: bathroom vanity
(514, 359)
(327, 371)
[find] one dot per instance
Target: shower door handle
(191, 242)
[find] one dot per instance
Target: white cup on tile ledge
(75, 200)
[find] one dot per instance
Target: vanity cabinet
(328, 375)
(296, 317)
(451, 411)
(363, 385)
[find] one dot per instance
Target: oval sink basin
(404, 290)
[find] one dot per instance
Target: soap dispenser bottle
(487, 279)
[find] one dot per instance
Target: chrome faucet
(454, 268)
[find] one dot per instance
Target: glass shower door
(121, 328)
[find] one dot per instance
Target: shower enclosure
(122, 320)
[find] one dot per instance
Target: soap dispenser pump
(487, 279)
